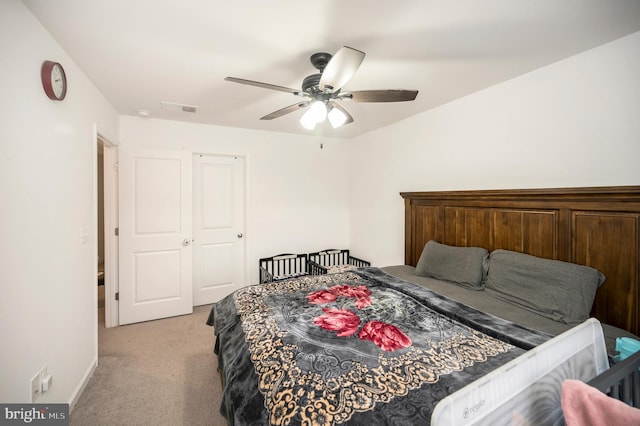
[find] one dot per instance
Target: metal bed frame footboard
(283, 266)
(319, 261)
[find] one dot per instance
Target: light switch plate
(35, 387)
(84, 234)
(36, 384)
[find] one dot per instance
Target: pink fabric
(584, 405)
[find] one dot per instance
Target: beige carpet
(159, 372)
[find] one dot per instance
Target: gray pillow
(558, 290)
(465, 266)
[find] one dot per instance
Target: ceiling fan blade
(285, 110)
(341, 68)
(383, 95)
(263, 85)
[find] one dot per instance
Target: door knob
(187, 242)
(239, 235)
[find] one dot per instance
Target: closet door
(218, 224)
(155, 234)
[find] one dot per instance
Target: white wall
(297, 193)
(48, 299)
(572, 123)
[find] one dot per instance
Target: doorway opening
(106, 203)
(100, 232)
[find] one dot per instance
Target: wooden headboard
(598, 227)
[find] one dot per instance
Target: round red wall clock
(54, 80)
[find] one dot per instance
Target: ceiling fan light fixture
(316, 113)
(336, 117)
(318, 110)
(308, 121)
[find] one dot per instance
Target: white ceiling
(142, 52)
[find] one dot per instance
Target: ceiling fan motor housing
(310, 83)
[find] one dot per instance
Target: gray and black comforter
(357, 348)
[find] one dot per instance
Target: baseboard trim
(75, 396)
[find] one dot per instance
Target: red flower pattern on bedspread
(386, 336)
(321, 297)
(345, 322)
(361, 294)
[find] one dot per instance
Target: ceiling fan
(322, 91)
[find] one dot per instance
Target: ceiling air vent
(173, 106)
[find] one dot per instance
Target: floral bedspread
(358, 347)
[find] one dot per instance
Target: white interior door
(218, 219)
(110, 214)
(155, 234)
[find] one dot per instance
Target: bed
(385, 345)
